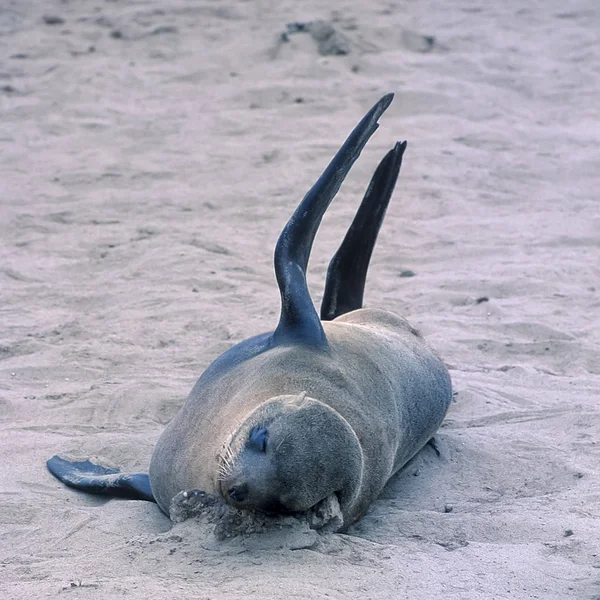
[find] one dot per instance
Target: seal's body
(377, 377)
(320, 407)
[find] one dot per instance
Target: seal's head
(289, 454)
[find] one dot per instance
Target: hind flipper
(347, 271)
(299, 321)
(96, 479)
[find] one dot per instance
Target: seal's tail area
(347, 271)
(96, 479)
(299, 321)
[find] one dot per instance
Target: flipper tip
(381, 105)
(386, 100)
(400, 147)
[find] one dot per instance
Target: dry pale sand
(152, 151)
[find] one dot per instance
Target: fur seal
(320, 407)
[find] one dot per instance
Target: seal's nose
(238, 493)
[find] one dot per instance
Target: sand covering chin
(211, 518)
(151, 154)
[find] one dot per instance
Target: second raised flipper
(347, 271)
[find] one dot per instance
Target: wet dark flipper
(347, 271)
(96, 479)
(299, 321)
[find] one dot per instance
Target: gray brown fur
(385, 393)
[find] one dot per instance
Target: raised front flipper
(347, 271)
(299, 321)
(96, 479)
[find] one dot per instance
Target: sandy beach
(152, 152)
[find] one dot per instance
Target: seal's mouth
(238, 496)
(275, 507)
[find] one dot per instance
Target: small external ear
(298, 400)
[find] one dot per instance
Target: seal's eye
(258, 438)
